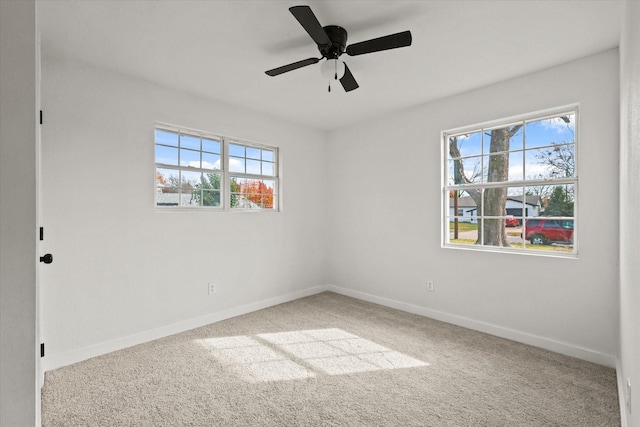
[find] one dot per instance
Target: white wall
(385, 224)
(123, 268)
(18, 339)
(629, 368)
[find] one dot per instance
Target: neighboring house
(173, 199)
(189, 200)
(468, 210)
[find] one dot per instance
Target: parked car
(542, 231)
(511, 221)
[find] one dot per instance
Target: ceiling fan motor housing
(332, 42)
(338, 37)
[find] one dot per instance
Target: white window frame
(231, 175)
(225, 174)
(447, 187)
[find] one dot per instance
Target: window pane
(494, 202)
(465, 145)
(188, 141)
(469, 168)
(536, 167)
(210, 161)
(268, 186)
(465, 202)
(547, 234)
(210, 145)
(517, 140)
(494, 232)
(166, 138)
(166, 155)
(210, 181)
(189, 180)
(503, 209)
(515, 208)
(236, 165)
(267, 168)
(167, 184)
(497, 140)
(236, 150)
(270, 201)
(210, 198)
(560, 202)
(557, 161)
(190, 158)
(253, 167)
(253, 153)
(534, 194)
(496, 168)
(514, 236)
(516, 166)
(557, 130)
(235, 191)
(267, 155)
(463, 230)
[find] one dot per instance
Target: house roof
(188, 200)
(468, 202)
(173, 199)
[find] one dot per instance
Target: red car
(542, 231)
(511, 221)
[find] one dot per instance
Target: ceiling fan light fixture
(332, 69)
(331, 41)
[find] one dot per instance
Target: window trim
(500, 123)
(275, 177)
(225, 174)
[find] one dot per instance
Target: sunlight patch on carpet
(303, 354)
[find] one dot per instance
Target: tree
(257, 192)
(160, 179)
(169, 184)
(560, 159)
(235, 190)
(207, 192)
(495, 198)
(560, 203)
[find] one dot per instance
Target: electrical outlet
(212, 288)
(430, 287)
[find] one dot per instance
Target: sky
(186, 151)
(528, 142)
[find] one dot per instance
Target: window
(512, 185)
(200, 170)
(252, 176)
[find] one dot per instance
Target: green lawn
(464, 226)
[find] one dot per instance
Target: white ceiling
(220, 49)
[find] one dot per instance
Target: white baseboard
(55, 361)
(621, 393)
(499, 331)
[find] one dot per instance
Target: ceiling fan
(332, 42)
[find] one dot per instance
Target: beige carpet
(329, 360)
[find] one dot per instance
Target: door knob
(47, 259)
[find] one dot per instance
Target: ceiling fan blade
(391, 41)
(310, 23)
(293, 66)
(348, 82)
